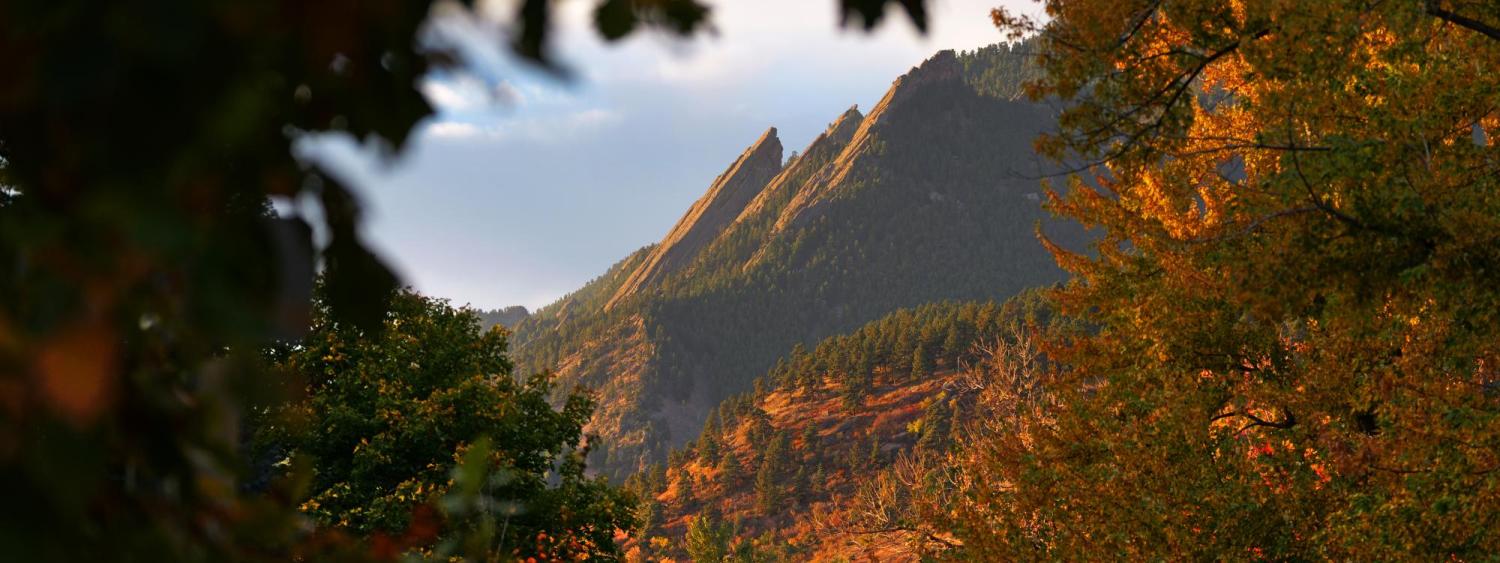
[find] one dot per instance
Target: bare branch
(1435, 9)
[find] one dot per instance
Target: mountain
(931, 195)
(788, 468)
(507, 317)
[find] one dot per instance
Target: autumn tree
(708, 539)
(143, 270)
(1292, 352)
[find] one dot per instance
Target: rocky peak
(846, 123)
(710, 215)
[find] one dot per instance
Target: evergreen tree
(935, 426)
(920, 367)
(686, 493)
(768, 480)
(648, 516)
(708, 539)
(729, 468)
(708, 442)
(810, 438)
(953, 344)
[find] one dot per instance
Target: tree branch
(1437, 11)
(1288, 420)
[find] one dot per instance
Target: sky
(522, 186)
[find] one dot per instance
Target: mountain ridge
(929, 196)
(710, 215)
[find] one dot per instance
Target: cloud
(535, 129)
(498, 204)
(701, 67)
(464, 93)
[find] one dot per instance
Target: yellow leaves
(75, 370)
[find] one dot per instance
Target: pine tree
(809, 438)
(708, 441)
(685, 494)
(708, 539)
(767, 488)
(798, 482)
(729, 468)
(768, 484)
(920, 368)
(953, 344)
(648, 516)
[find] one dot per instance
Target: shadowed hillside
(786, 468)
(931, 195)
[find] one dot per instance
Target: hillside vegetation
(783, 470)
(932, 195)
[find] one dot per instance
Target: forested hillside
(784, 471)
(507, 317)
(932, 195)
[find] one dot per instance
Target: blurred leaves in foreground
(142, 267)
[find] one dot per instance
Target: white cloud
(454, 130)
(466, 93)
(699, 67)
(536, 129)
(471, 209)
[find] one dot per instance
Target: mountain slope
(709, 216)
(929, 196)
(788, 467)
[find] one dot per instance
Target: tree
(708, 539)
(1292, 346)
(769, 487)
(379, 425)
(953, 343)
(686, 492)
(920, 366)
(708, 441)
(144, 269)
(936, 425)
(729, 468)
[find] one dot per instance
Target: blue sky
(523, 187)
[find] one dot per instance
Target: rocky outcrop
(710, 215)
(814, 158)
(942, 69)
(929, 196)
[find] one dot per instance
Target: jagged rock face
(827, 146)
(710, 215)
(930, 196)
(943, 69)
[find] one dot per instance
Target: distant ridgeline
(508, 317)
(933, 195)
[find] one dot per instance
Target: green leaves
(869, 13)
(424, 414)
(617, 18)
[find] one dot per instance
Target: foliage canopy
(1294, 299)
